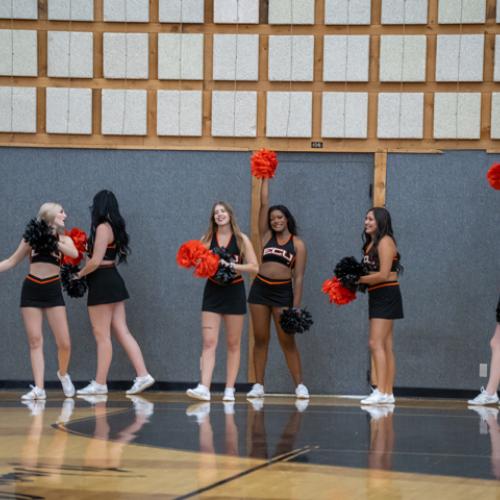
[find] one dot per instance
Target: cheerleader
(41, 293)
(489, 395)
(283, 259)
(224, 301)
(107, 246)
(382, 261)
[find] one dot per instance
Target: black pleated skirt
(106, 286)
(225, 299)
(41, 292)
(271, 292)
(385, 301)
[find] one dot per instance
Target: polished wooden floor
(161, 445)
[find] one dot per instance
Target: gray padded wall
(447, 220)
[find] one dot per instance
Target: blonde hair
(48, 212)
(212, 227)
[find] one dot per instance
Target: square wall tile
(402, 58)
(18, 53)
(18, 9)
(404, 11)
(124, 112)
(236, 57)
(69, 111)
(289, 114)
(459, 58)
(291, 58)
(496, 76)
(348, 11)
(182, 11)
(180, 56)
(234, 114)
(70, 54)
(344, 115)
(18, 109)
(346, 58)
(495, 115)
(71, 10)
(131, 11)
(498, 11)
(291, 11)
(236, 11)
(400, 115)
(179, 113)
(126, 55)
(462, 11)
(457, 115)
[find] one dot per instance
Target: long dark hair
(291, 224)
(105, 209)
(384, 228)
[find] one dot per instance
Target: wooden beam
(379, 179)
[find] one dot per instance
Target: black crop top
(372, 264)
(111, 252)
(283, 254)
(48, 258)
(232, 247)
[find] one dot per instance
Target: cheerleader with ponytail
(45, 244)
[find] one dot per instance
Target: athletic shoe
(375, 398)
(66, 411)
(94, 399)
(67, 385)
(301, 392)
(93, 389)
(378, 412)
(35, 393)
(228, 408)
(142, 407)
(37, 406)
(228, 394)
(141, 384)
(257, 391)
(199, 410)
(389, 398)
(199, 392)
(258, 403)
(483, 398)
(301, 404)
(484, 413)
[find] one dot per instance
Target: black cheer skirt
(224, 299)
(271, 292)
(498, 310)
(385, 301)
(106, 286)
(41, 292)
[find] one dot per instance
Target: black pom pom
(295, 320)
(348, 271)
(224, 274)
(40, 237)
(75, 288)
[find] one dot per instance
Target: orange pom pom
(493, 176)
(337, 293)
(263, 164)
(189, 253)
(79, 238)
(207, 266)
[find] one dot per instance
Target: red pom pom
(263, 164)
(493, 176)
(207, 266)
(337, 293)
(79, 238)
(189, 253)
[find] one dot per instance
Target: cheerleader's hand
(224, 263)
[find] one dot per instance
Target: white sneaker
(66, 411)
(94, 399)
(67, 385)
(142, 406)
(199, 410)
(228, 394)
(93, 389)
(37, 406)
(301, 392)
(484, 413)
(35, 393)
(228, 408)
(141, 384)
(257, 403)
(483, 398)
(389, 398)
(301, 404)
(375, 398)
(257, 391)
(199, 392)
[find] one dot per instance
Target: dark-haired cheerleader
(382, 261)
(283, 259)
(489, 395)
(224, 298)
(44, 243)
(107, 246)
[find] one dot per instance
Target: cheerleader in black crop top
(283, 260)
(108, 246)
(382, 262)
(224, 301)
(41, 295)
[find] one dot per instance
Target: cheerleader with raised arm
(44, 243)
(107, 247)
(283, 262)
(224, 298)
